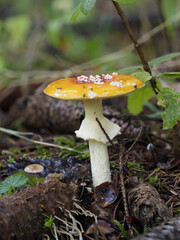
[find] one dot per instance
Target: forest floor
(150, 171)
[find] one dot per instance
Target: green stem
(20, 135)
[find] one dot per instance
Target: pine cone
(43, 112)
(168, 231)
(147, 206)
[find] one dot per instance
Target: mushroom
(34, 168)
(95, 127)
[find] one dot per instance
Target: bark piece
(21, 214)
(147, 206)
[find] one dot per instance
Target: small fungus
(34, 169)
(95, 88)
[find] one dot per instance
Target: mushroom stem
(99, 162)
(91, 130)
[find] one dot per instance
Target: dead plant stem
(123, 189)
(122, 184)
(175, 133)
(132, 145)
(137, 46)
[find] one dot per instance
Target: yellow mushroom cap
(34, 168)
(93, 87)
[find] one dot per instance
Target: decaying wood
(168, 231)
(147, 206)
(21, 214)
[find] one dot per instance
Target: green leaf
(124, 1)
(169, 75)
(76, 13)
(86, 6)
(163, 58)
(137, 99)
(122, 229)
(143, 76)
(170, 101)
(48, 221)
(129, 70)
(31, 179)
(12, 182)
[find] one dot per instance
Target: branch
(137, 46)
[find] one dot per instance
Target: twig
(175, 136)
(137, 46)
(115, 210)
(132, 145)
(122, 181)
(121, 156)
(108, 138)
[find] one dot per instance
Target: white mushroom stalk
(90, 130)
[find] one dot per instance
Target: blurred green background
(32, 33)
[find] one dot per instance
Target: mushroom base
(99, 162)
